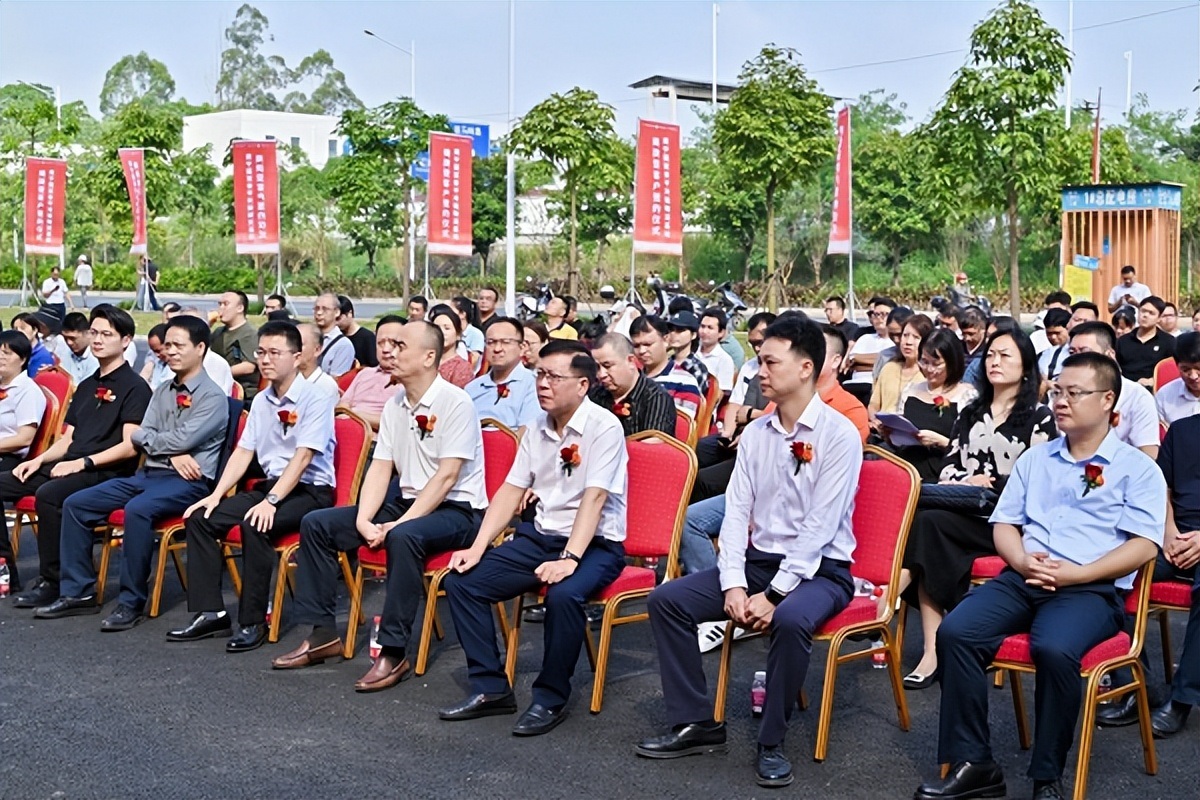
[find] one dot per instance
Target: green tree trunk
(772, 278)
(572, 256)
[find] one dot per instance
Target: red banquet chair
(1119, 651)
(662, 470)
(25, 510)
(1167, 596)
(1165, 371)
(346, 378)
(499, 452)
(884, 506)
(58, 381)
(352, 435)
(685, 428)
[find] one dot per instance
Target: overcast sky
(462, 47)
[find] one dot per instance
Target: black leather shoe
(1169, 719)
(68, 607)
(691, 739)
(122, 619)
(538, 719)
(966, 780)
(201, 628)
(480, 705)
(250, 637)
(40, 594)
(1048, 790)
(773, 768)
(536, 615)
(1118, 713)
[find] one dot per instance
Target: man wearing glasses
(506, 391)
(290, 433)
(574, 459)
(1077, 518)
(105, 411)
(1136, 417)
(861, 358)
(337, 351)
(373, 387)
(429, 436)
(1181, 397)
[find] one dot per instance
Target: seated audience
(505, 392)
(235, 341)
(471, 340)
(1140, 351)
(536, 335)
(362, 339)
(1055, 300)
(713, 326)
(556, 320)
(896, 319)
(902, 371)
(1136, 420)
(22, 404)
(683, 338)
(75, 348)
(933, 405)
(373, 387)
(649, 335)
(860, 362)
(336, 356)
(835, 315)
(1180, 397)
(639, 403)
(1056, 336)
(310, 352)
(1169, 319)
(35, 330)
(453, 367)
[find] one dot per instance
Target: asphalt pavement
(85, 714)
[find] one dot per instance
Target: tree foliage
(489, 204)
(889, 206)
(140, 78)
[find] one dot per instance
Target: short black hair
(1126, 270)
(835, 337)
(1103, 332)
(196, 329)
(1187, 348)
(419, 300)
(31, 320)
(1006, 324)
(119, 318)
(837, 301)
(761, 318)
(1086, 305)
(75, 322)
(245, 301)
(285, 329)
(170, 307)
(1171, 306)
(1060, 297)
(1156, 301)
(1107, 371)
(159, 332)
(680, 303)
(647, 323)
(18, 345)
(492, 289)
(1125, 314)
(282, 300)
(1056, 318)
(582, 362)
(953, 311)
(388, 319)
(499, 320)
(804, 337)
(344, 305)
(882, 300)
(718, 315)
(973, 317)
(570, 300)
(944, 343)
(900, 315)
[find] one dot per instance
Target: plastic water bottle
(863, 587)
(758, 693)
(5, 580)
(878, 660)
(267, 617)
(375, 649)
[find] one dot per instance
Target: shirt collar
(518, 375)
(808, 418)
(20, 378)
(1107, 451)
(191, 385)
(294, 393)
(577, 422)
(431, 394)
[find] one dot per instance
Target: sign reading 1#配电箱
(1137, 196)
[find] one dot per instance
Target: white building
(314, 134)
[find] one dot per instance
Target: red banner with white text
(133, 164)
(448, 223)
(658, 213)
(256, 197)
(840, 225)
(45, 202)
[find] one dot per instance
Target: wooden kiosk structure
(1105, 227)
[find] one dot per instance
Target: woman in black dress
(990, 434)
(933, 404)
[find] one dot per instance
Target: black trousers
(325, 533)
(1062, 625)
(50, 494)
(204, 561)
(678, 606)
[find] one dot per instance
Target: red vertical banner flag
(45, 203)
(133, 163)
(842, 219)
(255, 197)
(448, 221)
(658, 212)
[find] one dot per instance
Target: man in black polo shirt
(1141, 350)
(639, 402)
(362, 339)
(106, 410)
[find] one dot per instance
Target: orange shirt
(848, 406)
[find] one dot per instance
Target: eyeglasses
(326, 309)
(552, 377)
(106, 334)
(926, 364)
(272, 354)
(502, 342)
(1072, 395)
(877, 314)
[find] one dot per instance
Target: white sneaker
(711, 635)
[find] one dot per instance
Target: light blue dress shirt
(519, 408)
(274, 445)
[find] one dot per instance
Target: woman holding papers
(932, 405)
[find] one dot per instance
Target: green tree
(604, 207)
(247, 78)
(775, 132)
(991, 127)
(132, 78)
(574, 133)
(330, 95)
(29, 118)
(888, 202)
(307, 219)
(197, 200)
(489, 205)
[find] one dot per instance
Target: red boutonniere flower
(288, 419)
(3, 394)
(183, 400)
(570, 458)
(501, 391)
(104, 395)
(803, 453)
(1093, 478)
(941, 404)
(425, 424)
(622, 409)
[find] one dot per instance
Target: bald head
(618, 343)
(429, 337)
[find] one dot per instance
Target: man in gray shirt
(182, 436)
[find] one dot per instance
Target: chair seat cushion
(378, 557)
(27, 504)
(1171, 593)
(631, 579)
(438, 561)
(860, 609)
(117, 518)
(987, 567)
(1016, 649)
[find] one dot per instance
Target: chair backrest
(237, 392)
(352, 437)
(233, 432)
(661, 472)
(712, 396)
(685, 427)
(346, 378)
(500, 444)
(47, 430)
(58, 381)
(884, 505)
(1137, 604)
(1165, 371)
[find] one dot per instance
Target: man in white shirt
(74, 348)
(1135, 416)
(430, 437)
(1128, 292)
(861, 358)
(785, 549)
(1058, 299)
(337, 351)
(83, 278)
(712, 326)
(1181, 397)
(1050, 361)
(574, 459)
(55, 293)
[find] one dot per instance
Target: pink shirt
(370, 391)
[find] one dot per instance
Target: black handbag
(978, 501)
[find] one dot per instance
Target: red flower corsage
(803, 453)
(622, 409)
(941, 404)
(425, 424)
(1093, 478)
(183, 400)
(570, 458)
(501, 391)
(288, 419)
(104, 395)
(3, 394)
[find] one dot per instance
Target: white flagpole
(510, 210)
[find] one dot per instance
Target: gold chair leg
(723, 674)
(513, 640)
(355, 587)
(898, 693)
(998, 679)
(1164, 627)
(825, 718)
(1087, 733)
(803, 699)
(1149, 754)
(107, 542)
(606, 629)
(160, 571)
(281, 582)
(431, 596)
(1018, 694)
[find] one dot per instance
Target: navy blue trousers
(148, 497)
(1062, 626)
(504, 573)
(678, 606)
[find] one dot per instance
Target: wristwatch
(568, 554)
(273, 499)
(88, 464)
(774, 597)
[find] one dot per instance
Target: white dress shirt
(455, 433)
(1138, 425)
(802, 514)
(746, 374)
(217, 369)
(1175, 402)
(604, 464)
(274, 445)
(719, 363)
(869, 344)
(23, 405)
(338, 359)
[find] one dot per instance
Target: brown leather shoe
(385, 673)
(306, 655)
